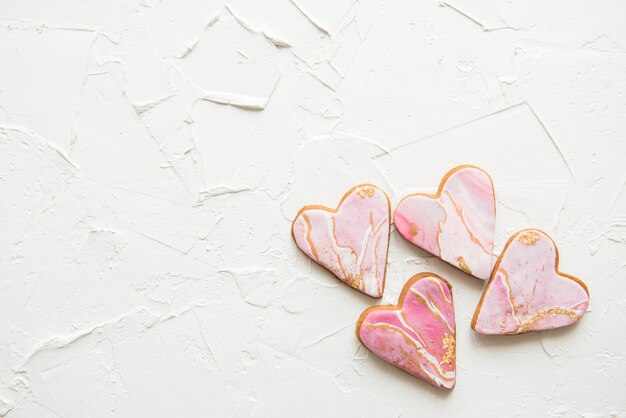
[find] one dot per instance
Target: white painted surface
(147, 268)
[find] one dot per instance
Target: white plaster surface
(154, 152)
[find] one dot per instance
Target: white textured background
(153, 154)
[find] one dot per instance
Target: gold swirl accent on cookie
(463, 265)
(366, 192)
(529, 237)
(449, 345)
(525, 326)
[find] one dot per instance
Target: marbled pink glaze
(352, 242)
(526, 292)
(418, 335)
(458, 224)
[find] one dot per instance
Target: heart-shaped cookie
(457, 223)
(418, 334)
(526, 291)
(350, 241)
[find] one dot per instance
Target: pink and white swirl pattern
(456, 224)
(419, 334)
(527, 292)
(351, 241)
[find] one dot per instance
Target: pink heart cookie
(457, 223)
(526, 291)
(350, 241)
(418, 334)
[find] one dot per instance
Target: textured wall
(153, 154)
